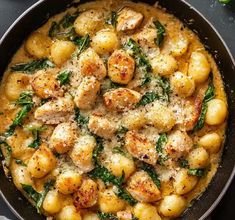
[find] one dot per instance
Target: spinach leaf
(112, 20)
(152, 173)
(33, 66)
(165, 87)
(63, 77)
(8, 150)
(119, 150)
(69, 19)
(20, 162)
(160, 33)
(197, 172)
(147, 98)
(162, 140)
(82, 43)
(209, 95)
(36, 133)
(134, 218)
(141, 60)
(80, 119)
(122, 130)
(98, 150)
(107, 216)
(54, 29)
(25, 98)
(183, 163)
(123, 194)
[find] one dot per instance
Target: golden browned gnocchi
(112, 110)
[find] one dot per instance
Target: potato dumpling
(90, 64)
(121, 67)
(42, 162)
(142, 188)
(87, 195)
(216, 112)
(90, 216)
(88, 22)
(134, 120)
(63, 137)
(105, 41)
(179, 144)
(198, 158)
(160, 117)
(172, 206)
(81, 154)
(164, 65)
(16, 83)
(121, 99)
(68, 182)
(52, 202)
(138, 146)
(87, 93)
(145, 211)
(179, 45)
(61, 51)
(128, 19)
(69, 213)
(38, 45)
(182, 85)
(110, 202)
(199, 67)
(46, 85)
(211, 142)
(118, 164)
(101, 126)
(184, 182)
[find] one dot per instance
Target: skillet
(35, 16)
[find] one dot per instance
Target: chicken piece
(139, 147)
(142, 188)
(179, 144)
(81, 154)
(45, 84)
(87, 93)
(87, 195)
(128, 19)
(121, 99)
(55, 111)
(101, 126)
(63, 137)
(90, 64)
(121, 67)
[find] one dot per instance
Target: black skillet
(35, 16)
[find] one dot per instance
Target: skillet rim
(208, 23)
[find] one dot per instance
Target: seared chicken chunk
(142, 188)
(101, 126)
(121, 99)
(121, 67)
(139, 147)
(45, 84)
(90, 64)
(63, 137)
(87, 93)
(81, 154)
(128, 19)
(55, 111)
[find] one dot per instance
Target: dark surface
(223, 18)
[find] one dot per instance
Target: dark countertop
(222, 17)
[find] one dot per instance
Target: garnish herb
(36, 133)
(152, 173)
(197, 172)
(160, 33)
(209, 95)
(37, 197)
(20, 162)
(147, 98)
(141, 60)
(112, 20)
(8, 150)
(33, 66)
(82, 43)
(63, 77)
(80, 119)
(107, 216)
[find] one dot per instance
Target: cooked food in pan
(112, 110)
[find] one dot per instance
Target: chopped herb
(160, 33)
(82, 43)
(63, 77)
(147, 98)
(162, 159)
(8, 149)
(183, 163)
(209, 95)
(162, 140)
(80, 119)
(197, 172)
(33, 66)
(36, 133)
(20, 162)
(112, 20)
(141, 60)
(107, 216)
(152, 173)
(98, 150)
